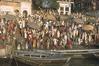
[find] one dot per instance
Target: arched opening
(25, 13)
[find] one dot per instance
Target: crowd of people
(51, 34)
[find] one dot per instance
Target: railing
(61, 52)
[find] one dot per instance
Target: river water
(84, 62)
(72, 62)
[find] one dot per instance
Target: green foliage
(46, 4)
(36, 4)
(1, 42)
(55, 5)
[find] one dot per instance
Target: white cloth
(65, 39)
(55, 41)
(58, 34)
(23, 23)
(25, 34)
(0, 31)
(90, 38)
(20, 24)
(4, 30)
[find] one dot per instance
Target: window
(61, 8)
(67, 9)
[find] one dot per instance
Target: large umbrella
(88, 27)
(49, 17)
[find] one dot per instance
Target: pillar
(69, 12)
(59, 11)
(64, 9)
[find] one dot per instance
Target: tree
(46, 4)
(36, 4)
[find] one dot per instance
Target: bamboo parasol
(49, 17)
(88, 27)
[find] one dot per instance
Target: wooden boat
(50, 57)
(41, 59)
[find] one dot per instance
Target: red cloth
(2, 46)
(69, 43)
(2, 37)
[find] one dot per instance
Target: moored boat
(42, 59)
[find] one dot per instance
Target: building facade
(87, 5)
(65, 6)
(9, 6)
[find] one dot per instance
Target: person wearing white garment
(23, 23)
(79, 41)
(2, 23)
(25, 33)
(55, 41)
(53, 31)
(20, 24)
(4, 30)
(58, 34)
(19, 47)
(85, 37)
(74, 33)
(65, 41)
(65, 38)
(89, 38)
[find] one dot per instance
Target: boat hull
(96, 55)
(42, 62)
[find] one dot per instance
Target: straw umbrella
(49, 17)
(88, 27)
